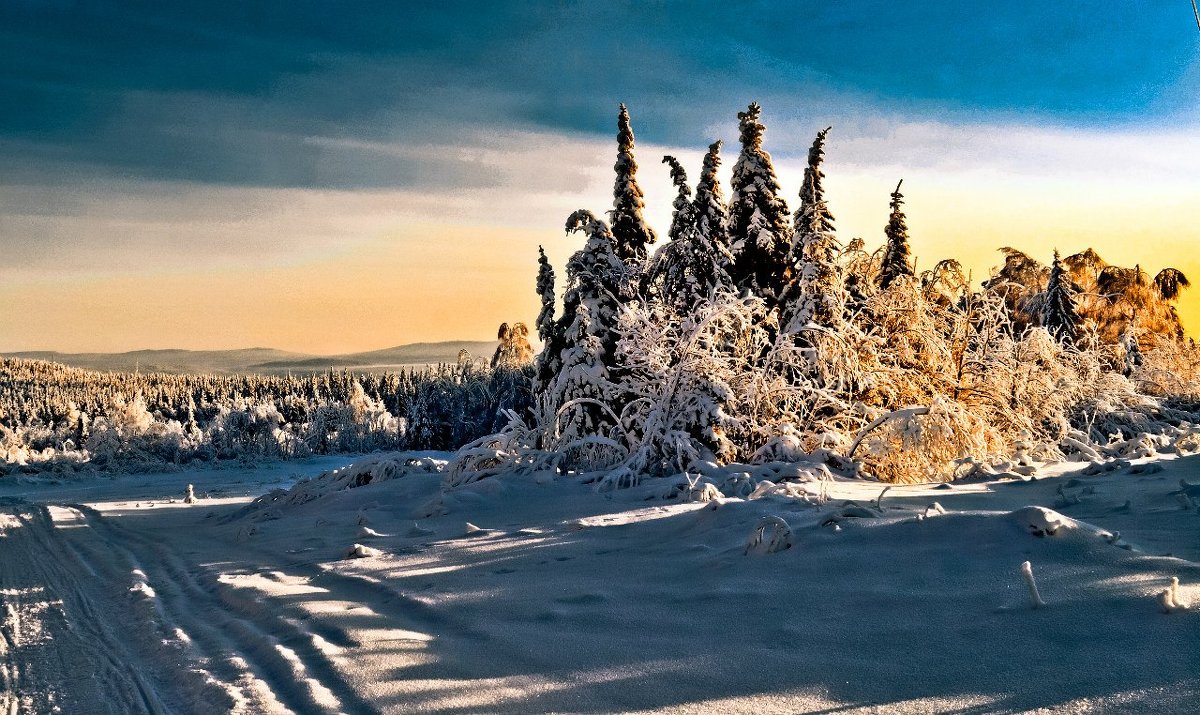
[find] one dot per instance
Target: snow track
(98, 617)
(56, 630)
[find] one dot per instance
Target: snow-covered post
(1170, 600)
(1035, 598)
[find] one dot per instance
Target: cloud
(233, 93)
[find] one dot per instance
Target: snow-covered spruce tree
(712, 215)
(896, 253)
(581, 387)
(631, 234)
(1059, 316)
(684, 218)
(545, 291)
(816, 294)
(597, 278)
(689, 269)
(759, 226)
(547, 364)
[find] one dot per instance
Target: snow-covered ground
(526, 594)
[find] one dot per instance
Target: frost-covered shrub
(836, 356)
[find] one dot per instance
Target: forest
(752, 334)
(64, 419)
(755, 335)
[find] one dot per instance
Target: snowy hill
(263, 360)
(398, 356)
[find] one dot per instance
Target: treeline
(755, 334)
(54, 416)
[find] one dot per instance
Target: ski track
(233, 631)
(56, 632)
(68, 595)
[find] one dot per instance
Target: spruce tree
(583, 376)
(630, 231)
(896, 256)
(545, 291)
(816, 293)
(597, 278)
(712, 215)
(687, 270)
(1058, 305)
(759, 229)
(683, 219)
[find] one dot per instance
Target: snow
(525, 593)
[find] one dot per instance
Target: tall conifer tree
(630, 231)
(896, 255)
(549, 359)
(596, 277)
(759, 226)
(712, 215)
(689, 268)
(816, 292)
(545, 291)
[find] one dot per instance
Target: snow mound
(373, 469)
(772, 534)
(358, 551)
(1041, 522)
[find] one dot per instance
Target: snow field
(520, 593)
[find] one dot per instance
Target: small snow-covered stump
(772, 534)
(704, 492)
(1170, 599)
(1035, 598)
(358, 551)
(190, 496)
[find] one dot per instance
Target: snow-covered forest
(59, 418)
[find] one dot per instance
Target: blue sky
(213, 115)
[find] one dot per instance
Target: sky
(330, 177)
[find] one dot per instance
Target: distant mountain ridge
(264, 360)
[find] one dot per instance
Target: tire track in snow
(284, 657)
(54, 631)
(195, 674)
